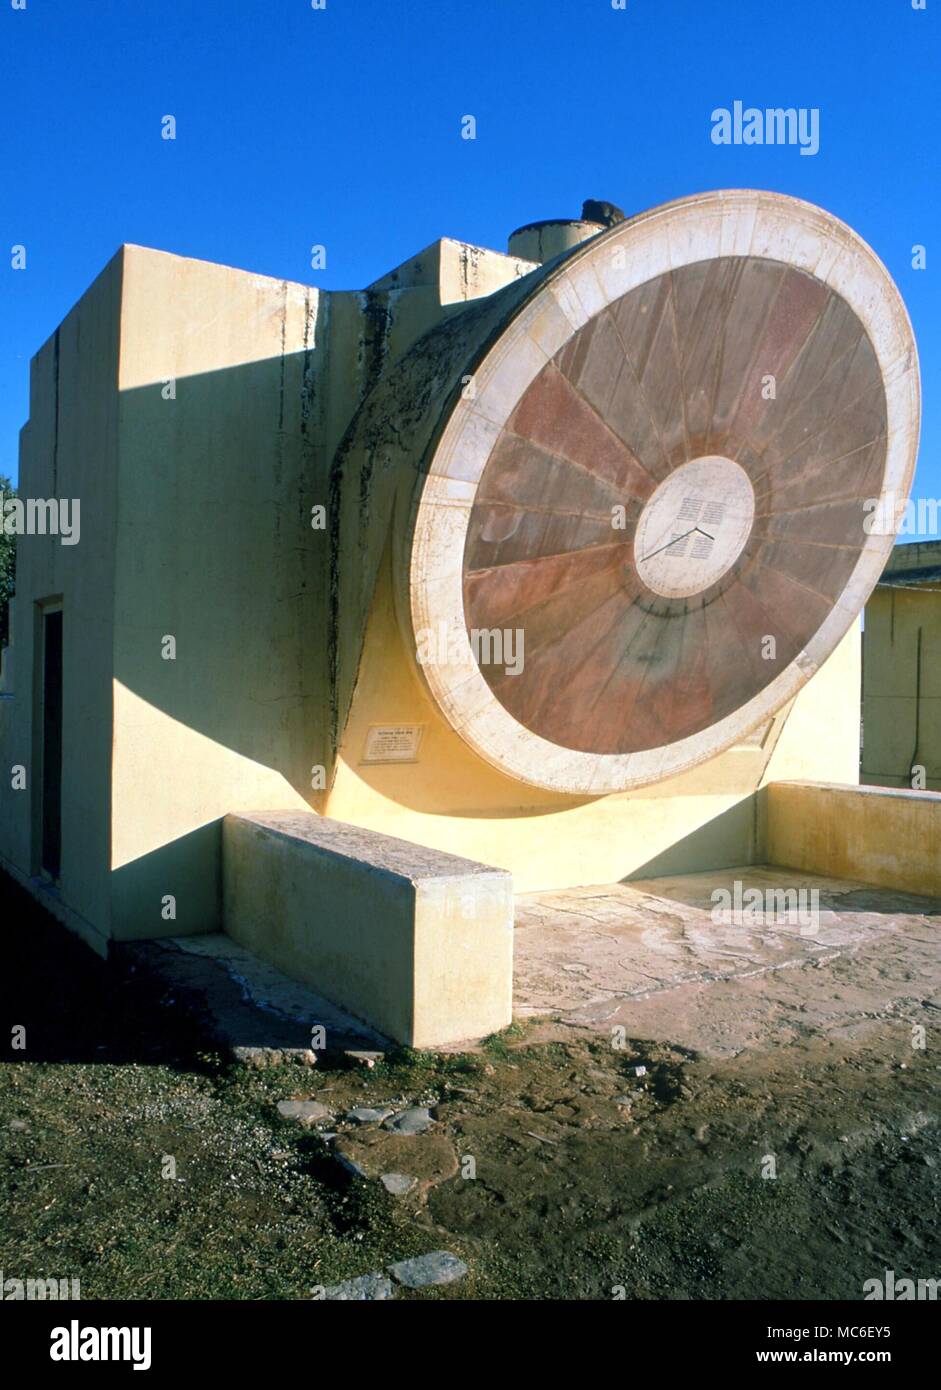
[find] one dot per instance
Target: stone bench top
(384, 853)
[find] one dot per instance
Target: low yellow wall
(416, 943)
(881, 836)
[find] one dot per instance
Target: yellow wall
(897, 733)
(68, 450)
(887, 837)
(213, 550)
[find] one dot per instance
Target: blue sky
(342, 126)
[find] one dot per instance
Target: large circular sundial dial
(656, 490)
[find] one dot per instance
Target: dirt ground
(797, 1160)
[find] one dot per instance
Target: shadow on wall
(220, 603)
(175, 890)
(707, 847)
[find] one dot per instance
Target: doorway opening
(51, 795)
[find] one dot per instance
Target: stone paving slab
(648, 954)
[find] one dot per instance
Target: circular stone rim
(706, 226)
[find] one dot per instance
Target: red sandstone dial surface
(675, 503)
